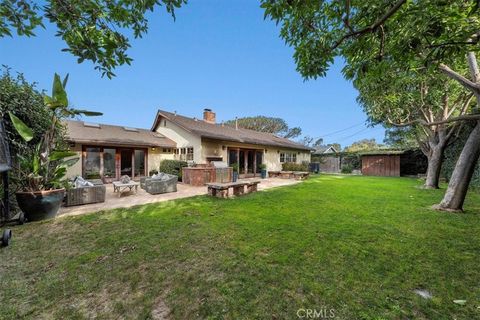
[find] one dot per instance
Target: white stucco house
(108, 152)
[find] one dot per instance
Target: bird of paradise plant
(44, 168)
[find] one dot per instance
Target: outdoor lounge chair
(162, 183)
(86, 194)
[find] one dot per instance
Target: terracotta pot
(40, 205)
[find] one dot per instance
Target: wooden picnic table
(121, 187)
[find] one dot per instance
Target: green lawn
(358, 245)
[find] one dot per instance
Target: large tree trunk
(463, 172)
(435, 159)
(465, 166)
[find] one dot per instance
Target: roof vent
(130, 129)
(91, 125)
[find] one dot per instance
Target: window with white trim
(288, 157)
(183, 154)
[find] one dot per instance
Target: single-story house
(325, 150)
(109, 152)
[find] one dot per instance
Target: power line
(342, 130)
(354, 134)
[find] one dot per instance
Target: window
(167, 150)
(139, 163)
(92, 163)
(108, 163)
(190, 154)
(288, 157)
(184, 154)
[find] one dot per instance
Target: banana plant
(45, 166)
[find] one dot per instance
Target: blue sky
(217, 54)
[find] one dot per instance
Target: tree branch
(434, 123)
(470, 85)
(372, 27)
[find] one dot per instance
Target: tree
(417, 34)
(401, 138)
(93, 30)
(272, 125)
(23, 98)
(312, 142)
(416, 99)
(363, 145)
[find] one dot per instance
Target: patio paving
(130, 199)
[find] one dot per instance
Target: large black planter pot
(40, 205)
(235, 176)
(264, 173)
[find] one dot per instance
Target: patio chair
(161, 183)
(87, 194)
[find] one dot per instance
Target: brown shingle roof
(220, 132)
(84, 132)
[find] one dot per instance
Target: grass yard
(358, 245)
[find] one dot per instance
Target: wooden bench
(286, 174)
(252, 186)
(301, 175)
(273, 174)
(221, 190)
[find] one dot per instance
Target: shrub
(173, 167)
(234, 167)
(347, 169)
(292, 166)
(152, 172)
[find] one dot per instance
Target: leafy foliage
(22, 98)
(273, 125)
(292, 166)
(400, 138)
(453, 152)
(173, 167)
(347, 169)
(97, 31)
(43, 167)
(363, 145)
(367, 31)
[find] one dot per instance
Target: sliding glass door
(109, 163)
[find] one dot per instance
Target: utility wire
(341, 130)
(354, 134)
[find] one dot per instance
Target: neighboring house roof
(85, 133)
(221, 132)
(325, 149)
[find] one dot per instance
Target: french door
(109, 163)
(248, 161)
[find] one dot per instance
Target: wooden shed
(381, 164)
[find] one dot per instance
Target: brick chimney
(208, 115)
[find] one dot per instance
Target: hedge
(292, 166)
(173, 167)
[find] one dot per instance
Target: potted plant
(41, 172)
(263, 170)
(235, 172)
